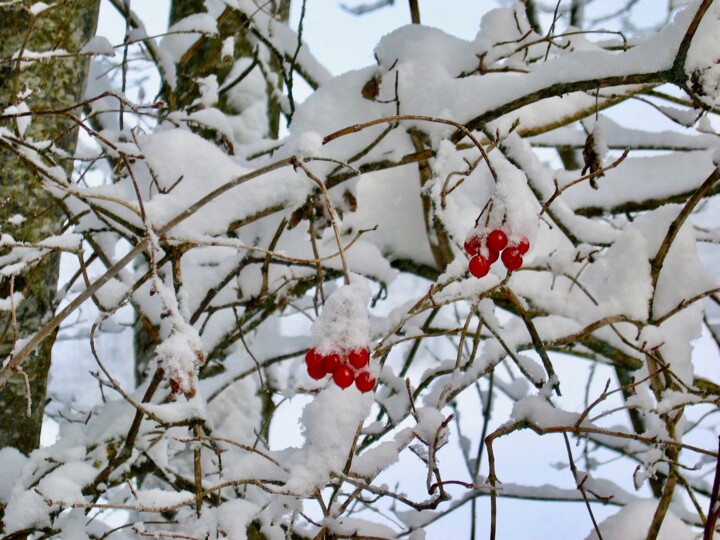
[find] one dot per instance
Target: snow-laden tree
(469, 279)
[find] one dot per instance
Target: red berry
(512, 259)
(365, 382)
(492, 255)
(523, 246)
(359, 358)
(497, 240)
(313, 359)
(331, 362)
(479, 266)
(316, 372)
(343, 377)
(472, 245)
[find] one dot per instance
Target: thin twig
(714, 507)
(580, 485)
(396, 118)
(331, 213)
(600, 172)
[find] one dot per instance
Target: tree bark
(59, 83)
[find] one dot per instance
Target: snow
(309, 145)
(622, 292)
(228, 48)
(429, 425)
(74, 525)
(329, 425)
(538, 411)
(703, 55)
(11, 302)
(112, 293)
(492, 92)
(419, 45)
(681, 259)
(16, 219)
(24, 511)
(64, 485)
(184, 33)
(533, 370)
(180, 355)
(29, 57)
(67, 242)
(633, 520)
(98, 45)
(176, 154)
(208, 90)
(211, 118)
(38, 7)
(166, 64)
(234, 517)
(11, 465)
(375, 460)
(22, 119)
(344, 324)
(234, 412)
(249, 100)
(385, 199)
(672, 175)
(514, 204)
(160, 499)
(359, 527)
(179, 411)
(620, 137)
(331, 420)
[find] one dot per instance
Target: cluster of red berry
(485, 250)
(346, 368)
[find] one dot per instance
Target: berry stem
(296, 163)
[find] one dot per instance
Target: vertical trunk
(205, 57)
(59, 83)
(577, 10)
(532, 16)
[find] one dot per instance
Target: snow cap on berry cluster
(514, 203)
(344, 323)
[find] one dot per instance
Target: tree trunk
(59, 83)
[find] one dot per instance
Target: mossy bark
(58, 83)
(204, 57)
